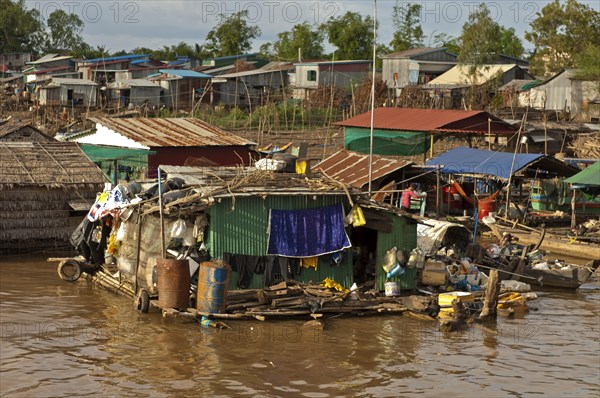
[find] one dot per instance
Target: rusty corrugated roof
(352, 168)
(409, 119)
(172, 132)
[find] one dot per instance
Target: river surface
(62, 339)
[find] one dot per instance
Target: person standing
(406, 197)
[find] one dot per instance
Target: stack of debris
(293, 299)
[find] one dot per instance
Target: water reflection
(60, 338)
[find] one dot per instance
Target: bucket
(392, 289)
(485, 207)
(173, 283)
(213, 279)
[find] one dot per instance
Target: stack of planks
(297, 299)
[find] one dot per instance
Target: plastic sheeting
(434, 234)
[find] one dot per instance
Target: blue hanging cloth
(307, 233)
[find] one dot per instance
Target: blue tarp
(307, 233)
(464, 160)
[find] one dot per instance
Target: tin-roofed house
(134, 93)
(415, 66)
(50, 65)
(68, 93)
(135, 147)
(343, 74)
(181, 87)
(567, 92)
(254, 87)
(45, 189)
(246, 217)
(409, 131)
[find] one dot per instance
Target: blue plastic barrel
(213, 279)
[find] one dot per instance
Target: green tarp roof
(588, 176)
(99, 153)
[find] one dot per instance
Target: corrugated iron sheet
(352, 168)
(460, 74)
(403, 237)
(244, 231)
(172, 132)
(408, 119)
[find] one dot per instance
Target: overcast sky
(124, 25)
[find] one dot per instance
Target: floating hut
(44, 187)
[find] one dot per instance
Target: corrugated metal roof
(516, 84)
(133, 83)
(49, 58)
(185, 73)
(271, 67)
(460, 74)
(56, 81)
(340, 62)
(352, 168)
(44, 71)
(414, 51)
(117, 58)
(172, 132)
(409, 119)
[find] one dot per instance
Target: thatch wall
(39, 214)
(37, 181)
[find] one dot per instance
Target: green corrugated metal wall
(403, 237)
(244, 231)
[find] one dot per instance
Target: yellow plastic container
(445, 299)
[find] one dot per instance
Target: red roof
(411, 119)
(352, 168)
(408, 119)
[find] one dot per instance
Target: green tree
(407, 22)
(169, 53)
(510, 44)
(64, 32)
(588, 63)
(351, 34)
(445, 40)
(560, 33)
(19, 27)
(483, 39)
(88, 52)
(232, 35)
(303, 37)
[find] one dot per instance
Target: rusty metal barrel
(213, 279)
(173, 283)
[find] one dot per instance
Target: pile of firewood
(586, 146)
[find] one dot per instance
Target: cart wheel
(142, 301)
(192, 302)
(69, 270)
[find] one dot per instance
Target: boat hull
(562, 279)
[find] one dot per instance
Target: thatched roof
(14, 127)
(61, 165)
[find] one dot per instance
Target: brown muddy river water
(62, 339)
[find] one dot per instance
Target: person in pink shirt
(406, 197)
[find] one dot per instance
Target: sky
(124, 25)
